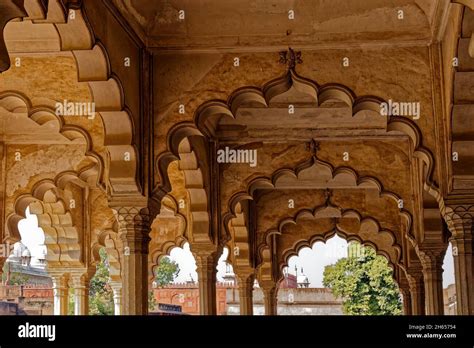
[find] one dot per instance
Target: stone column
(133, 231)
(80, 284)
(2, 263)
(61, 293)
(417, 293)
(206, 269)
(117, 289)
(407, 302)
(270, 297)
(460, 223)
(405, 291)
(245, 285)
(432, 263)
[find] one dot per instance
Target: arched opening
(25, 281)
(101, 292)
(338, 277)
(449, 286)
(175, 283)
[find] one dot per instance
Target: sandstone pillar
(459, 219)
(206, 262)
(60, 293)
(80, 284)
(245, 286)
(270, 291)
(432, 262)
(133, 231)
(2, 263)
(417, 293)
(117, 290)
(406, 300)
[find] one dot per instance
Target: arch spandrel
(41, 163)
(86, 78)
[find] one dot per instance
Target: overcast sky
(311, 260)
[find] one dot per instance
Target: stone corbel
(9, 9)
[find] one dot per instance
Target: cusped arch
(349, 238)
(292, 89)
(109, 240)
(187, 146)
(365, 230)
(93, 67)
(315, 174)
(19, 105)
(62, 238)
(163, 240)
(238, 241)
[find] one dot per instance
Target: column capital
(268, 286)
(80, 278)
(432, 257)
(206, 262)
(415, 279)
(134, 227)
(133, 218)
(459, 219)
(59, 275)
(245, 275)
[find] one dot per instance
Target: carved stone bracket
(9, 9)
(459, 219)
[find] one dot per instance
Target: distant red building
(33, 299)
(186, 295)
(289, 282)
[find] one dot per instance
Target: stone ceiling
(244, 23)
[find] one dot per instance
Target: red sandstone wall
(188, 298)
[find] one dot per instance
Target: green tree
(151, 301)
(101, 297)
(364, 281)
(166, 272)
(16, 278)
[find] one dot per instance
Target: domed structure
(19, 249)
(26, 253)
(302, 280)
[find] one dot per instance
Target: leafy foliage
(101, 297)
(15, 277)
(364, 281)
(166, 272)
(151, 301)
